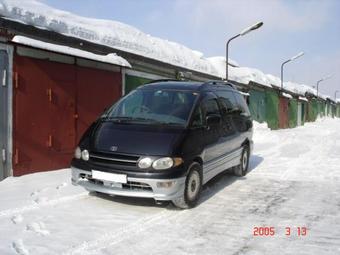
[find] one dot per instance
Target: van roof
(189, 85)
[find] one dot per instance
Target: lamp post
(291, 59)
(318, 82)
(242, 33)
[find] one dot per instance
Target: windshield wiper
(128, 119)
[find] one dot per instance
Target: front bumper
(153, 190)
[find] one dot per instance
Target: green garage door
(132, 82)
(292, 113)
(257, 105)
(272, 109)
(312, 110)
(304, 112)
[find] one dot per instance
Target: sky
(290, 26)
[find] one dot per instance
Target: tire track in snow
(28, 208)
(111, 238)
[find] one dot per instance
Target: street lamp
(335, 95)
(318, 82)
(291, 59)
(242, 33)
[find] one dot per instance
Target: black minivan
(165, 140)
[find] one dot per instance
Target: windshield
(154, 106)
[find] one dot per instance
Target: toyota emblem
(113, 148)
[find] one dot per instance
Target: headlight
(163, 163)
(145, 163)
(85, 155)
(77, 153)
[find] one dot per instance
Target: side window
(227, 101)
(242, 105)
(197, 119)
(211, 107)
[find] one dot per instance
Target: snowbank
(106, 32)
(111, 58)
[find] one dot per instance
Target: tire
(193, 188)
(242, 168)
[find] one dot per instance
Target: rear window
(241, 104)
(227, 101)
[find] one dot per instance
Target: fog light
(85, 155)
(165, 184)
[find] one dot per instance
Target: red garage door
(283, 112)
(97, 90)
(53, 104)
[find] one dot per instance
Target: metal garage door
(4, 112)
(96, 90)
(44, 125)
(257, 105)
(53, 105)
(283, 112)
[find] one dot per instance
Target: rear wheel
(192, 190)
(242, 168)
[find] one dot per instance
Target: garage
(55, 98)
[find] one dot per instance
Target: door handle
(50, 141)
(49, 94)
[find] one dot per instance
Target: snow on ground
(294, 182)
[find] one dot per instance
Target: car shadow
(255, 160)
(133, 201)
(226, 178)
(215, 185)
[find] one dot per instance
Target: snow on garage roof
(239, 74)
(287, 95)
(303, 99)
(105, 32)
(246, 74)
(127, 38)
(110, 58)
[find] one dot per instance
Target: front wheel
(192, 190)
(242, 168)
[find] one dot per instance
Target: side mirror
(235, 111)
(213, 119)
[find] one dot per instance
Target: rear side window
(211, 107)
(227, 101)
(242, 105)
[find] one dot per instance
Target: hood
(136, 139)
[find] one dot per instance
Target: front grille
(115, 159)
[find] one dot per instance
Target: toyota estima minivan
(165, 140)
